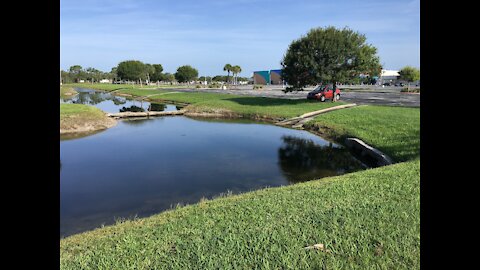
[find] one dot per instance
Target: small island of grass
(75, 118)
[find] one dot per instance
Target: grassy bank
(393, 130)
(365, 220)
(114, 87)
(201, 102)
(82, 118)
(67, 91)
(245, 106)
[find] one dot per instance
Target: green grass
(102, 86)
(138, 92)
(393, 130)
(67, 91)
(245, 105)
(113, 87)
(78, 114)
(366, 220)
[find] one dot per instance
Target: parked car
(399, 84)
(323, 92)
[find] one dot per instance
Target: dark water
(142, 167)
(113, 104)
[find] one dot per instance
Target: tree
(219, 78)
(168, 77)
(227, 68)
(113, 74)
(75, 69)
(235, 70)
(131, 70)
(76, 73)
(149, 71)
(157, 74)
(328, 55)
(409, 74)
(186, 74)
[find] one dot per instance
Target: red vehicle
(323, 92)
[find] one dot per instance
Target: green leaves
(409, 74)
(186, 73)
(131, 70)
(328, 55)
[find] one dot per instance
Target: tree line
(134, 71)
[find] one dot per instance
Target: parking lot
(390, 96)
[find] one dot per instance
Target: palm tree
(227, 68)
(236, 69)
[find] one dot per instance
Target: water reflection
(144, 167)
(110, 103)
(302, 160)
(157, 107)
(132, 108)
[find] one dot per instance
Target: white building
(389, 76)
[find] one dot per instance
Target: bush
(412, 90)
(291, 89)
(214, 85)
(198, 86)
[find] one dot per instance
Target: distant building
(389, 76)
(276, 77)
(268, 77)
(261, 77)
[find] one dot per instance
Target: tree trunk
(408, 87)
(334, 90)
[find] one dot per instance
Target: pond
(110, 103)
(142, 167)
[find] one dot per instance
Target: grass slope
(67, 91)
(393, 130)
(79, 117)
(366, 220)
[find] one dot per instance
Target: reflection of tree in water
(303, 160)
(157, 107)
(93, 98)
(118, 101)
(132, 108)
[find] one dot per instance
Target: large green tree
(75, 69)
(132, 70)
(328, 55)
(168, 77)
(409, 74)
(186, 74)
(157, 74)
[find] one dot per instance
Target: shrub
(214, 85)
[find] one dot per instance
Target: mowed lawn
(365, 220)
(393, 130)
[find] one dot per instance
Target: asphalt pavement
(373, 96)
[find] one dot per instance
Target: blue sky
(254, 34)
